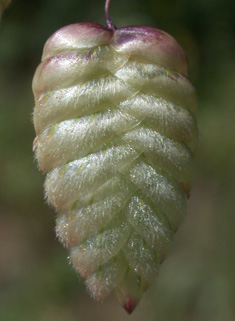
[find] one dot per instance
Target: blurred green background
(196, 281)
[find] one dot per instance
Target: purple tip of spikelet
(130, 304)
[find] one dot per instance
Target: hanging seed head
(116, 135)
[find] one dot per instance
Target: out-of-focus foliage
(3, 5)
(196, 281)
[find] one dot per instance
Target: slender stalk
(109, 23)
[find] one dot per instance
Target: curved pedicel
(116, 135)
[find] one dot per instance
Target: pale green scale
(154, 80)
(81, 100)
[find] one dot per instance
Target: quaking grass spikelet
(116, 134)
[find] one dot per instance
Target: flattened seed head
(116, 134)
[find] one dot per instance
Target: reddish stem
(109, 23)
